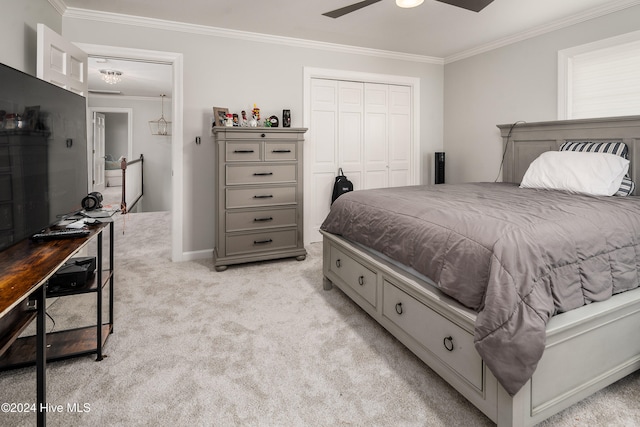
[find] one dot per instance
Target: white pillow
(598, 174)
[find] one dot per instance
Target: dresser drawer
(260, 134)
(243, 151)
(274, 151)
(238, 221)
(260, 196)
(260, 174)
(447, 341)
(238, 244)
(354, 274)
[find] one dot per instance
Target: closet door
(363, 128)
(321, 155)
(399, 148)
(376, 135)
(351, 128)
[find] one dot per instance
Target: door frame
(310, 73)
(176, 60)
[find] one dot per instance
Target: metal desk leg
(99, 302)
(41, 355)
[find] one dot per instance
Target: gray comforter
(516, 256)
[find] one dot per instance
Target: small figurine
(256, 112)
(244, 119)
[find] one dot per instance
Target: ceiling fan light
(409, 3)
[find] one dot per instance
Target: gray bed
(502, 290)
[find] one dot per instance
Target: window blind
(605, 82)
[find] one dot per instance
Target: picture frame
(219, 115)
(30, 117)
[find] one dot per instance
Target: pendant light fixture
(160, 126)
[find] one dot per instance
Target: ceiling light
(111, 76)
(160, 126)
(409, 3)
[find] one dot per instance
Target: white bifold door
(363, 128)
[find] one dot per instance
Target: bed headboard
(528, 140)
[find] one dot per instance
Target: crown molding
(596, 12)
(59, 5)
(116, 18)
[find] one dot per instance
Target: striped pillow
(618, 148)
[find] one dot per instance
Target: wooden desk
(24, 271)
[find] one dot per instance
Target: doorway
(118, 142)
(176, 149)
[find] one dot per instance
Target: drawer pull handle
(266, 196)
(361, 280)
(448, 343)
(399, 308)
(262, 242)
(338, 263)
(280, 151)
(263, 174)
(268, 218)
(243, 151)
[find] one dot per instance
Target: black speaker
(439, 167)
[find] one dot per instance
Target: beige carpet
(257, 345)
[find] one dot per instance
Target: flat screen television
(43, 154)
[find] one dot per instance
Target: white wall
(232, 73)
(18, 21)
(516, 82)
(155, 149)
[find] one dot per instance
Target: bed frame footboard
(587, 349)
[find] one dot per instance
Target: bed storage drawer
(447, 341)
(354, 274)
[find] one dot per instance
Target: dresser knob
(448, 343)
(399, 308)
(263, 135)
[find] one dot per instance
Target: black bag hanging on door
(341, 186)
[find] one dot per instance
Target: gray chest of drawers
(258, 195)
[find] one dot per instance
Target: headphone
(92, 201)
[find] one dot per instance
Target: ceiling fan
(473, 5)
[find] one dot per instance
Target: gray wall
(236, 74)
(516, 82)
(18, 21)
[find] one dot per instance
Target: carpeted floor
(257, 345)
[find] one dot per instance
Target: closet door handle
(266, 196)
(361, 280)
(263, 174)
(338, 263)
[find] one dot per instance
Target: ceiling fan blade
(473, 5)
(348, 9)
